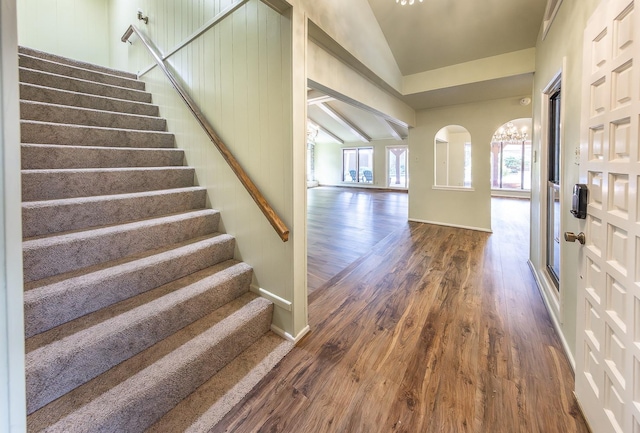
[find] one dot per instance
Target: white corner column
(12, 382)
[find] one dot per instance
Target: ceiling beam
(344, 122)
(333, 136)
(390, 127)
(316, 97)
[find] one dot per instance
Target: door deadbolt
(572, 237)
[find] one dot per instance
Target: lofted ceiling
(431, 35)
(439, 33)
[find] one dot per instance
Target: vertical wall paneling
(239, 74)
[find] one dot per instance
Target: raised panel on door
(608, 332)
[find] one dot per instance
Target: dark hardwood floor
(357, 219)
(434, 329)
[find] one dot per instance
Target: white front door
(608, 323)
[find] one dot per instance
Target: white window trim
(373, 163)
(386, 168)
(554, 297)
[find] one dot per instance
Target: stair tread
(65, 357)
(208, 404)
(70, 116)
(118, 266)
(49, 76)
(105, 128)
(99, 198)
(59, 253)
(50, 184)
(76, 71)
(44, 55)
(99, 317)
(86, 100)
(39, 156)
(62, 215)
(106, 169)
(75, 235)
(169, 362)
(37, 132)
(55, 300)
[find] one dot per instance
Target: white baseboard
(457, 226)
(277, 300)
(554, 319)
(289, 337)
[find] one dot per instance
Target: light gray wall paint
(562, 46)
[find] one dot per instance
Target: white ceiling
(439, 33)
(436, 34)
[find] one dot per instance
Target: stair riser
(62, 97)
(174, 378)
(79, 73)
(82, 86)
(59, 59)
(53, 133)
(80, 116)
(35, 156)
(43, 258)
(42, 218)
(51, 185)
(76, 362)
(53, 305)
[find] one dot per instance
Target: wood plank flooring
(435, 329)
(358, 218)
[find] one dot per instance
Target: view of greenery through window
(511, 156)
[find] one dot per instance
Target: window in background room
(452, 158)
(511, 156)
(397, 165)
(357, 165)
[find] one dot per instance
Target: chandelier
(312, 132)
(410, 2)
(510, 134)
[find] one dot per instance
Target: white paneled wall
(73, 28)
(239, 74)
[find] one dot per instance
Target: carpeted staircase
(137, 316)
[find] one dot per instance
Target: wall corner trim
(288, 336)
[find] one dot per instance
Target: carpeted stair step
(53, 216)
(78, 351)
(136, 393)
(84, 65)
(43, 112)
(60, 299)
(33, 76)
(40, 64)
(56, 184)
(55, 156)
(35, 132)
(207, 405)
(32, 92)
(52, 255)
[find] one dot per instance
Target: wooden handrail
(251, 188)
